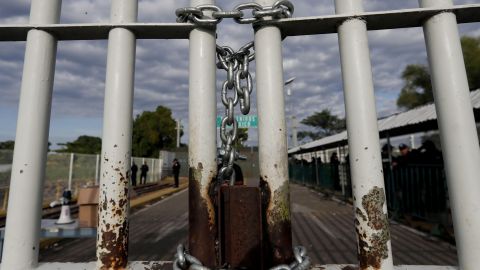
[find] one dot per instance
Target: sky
(161, 76)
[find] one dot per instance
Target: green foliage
(153, 131)
(471, 56)
(417, 90)
(83, 145)
(7, 145)
(325, 124)
(242, 137)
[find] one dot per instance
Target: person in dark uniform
(134, 170)
(176, 171)
(143, 173)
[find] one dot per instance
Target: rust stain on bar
(277, 224)
(201, 219)
(240, 227)
(113, 227)
(372, 238)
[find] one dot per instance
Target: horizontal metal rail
(379, 20)
(148, 265)
(96, 31)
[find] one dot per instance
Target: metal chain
(197, 15)
(184, 261)
(239, 83)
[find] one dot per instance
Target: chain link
(184, 261)
(197, 15)
(239, 84)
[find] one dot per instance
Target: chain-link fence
(69, 171)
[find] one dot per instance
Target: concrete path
(323, 226)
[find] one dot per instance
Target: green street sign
(244, 121)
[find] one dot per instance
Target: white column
(272, 138)
(202, 153)
(112, 239)
(31, 142)
(70, 171)
(458, 134)
(364, 145)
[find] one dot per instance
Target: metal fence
(68, 171)
(439, 19)
(417, 191)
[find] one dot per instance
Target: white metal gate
(439, 20)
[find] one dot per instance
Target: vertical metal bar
(112, 236)
(97, 165)
(373, 234)
(202, 142)
(29, 159)
(70, 171)
(152, 176)
(272, 139)
(457, 129)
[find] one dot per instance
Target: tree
(153, 131)
(471, 56)
(324, 123)
(242, 137)
(7, 145)
(83, 145)
(417, 90)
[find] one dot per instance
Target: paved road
(324, 226)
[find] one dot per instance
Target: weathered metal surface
(457, 128)
(371, 224)
(113, 227)
(240, 227)
(276, 224)
(378, 20)
(272, 141)
(30, 154)
(372, 243)
(201, 220)
(202, 150)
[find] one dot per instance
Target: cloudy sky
(161, 76)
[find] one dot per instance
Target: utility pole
(179, 121)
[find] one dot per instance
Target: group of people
(144, 170)
(143, 173)
(427, 153)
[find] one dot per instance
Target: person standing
(176, 171)
(134, 170)
(335, 163)
(143, 173)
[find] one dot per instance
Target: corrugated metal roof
(412, 117)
